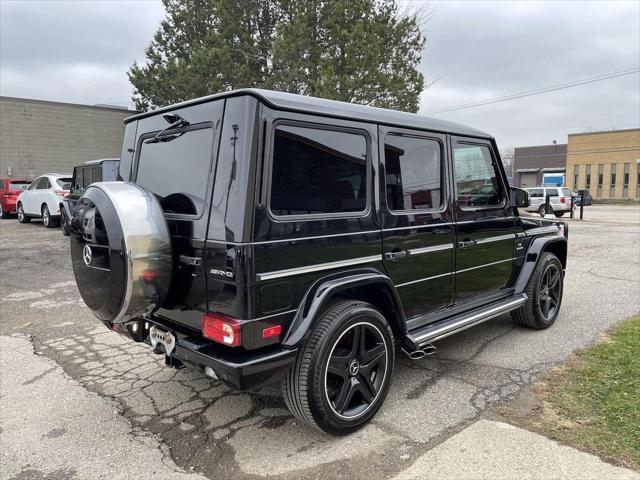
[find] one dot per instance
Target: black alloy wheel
(343, 372)
(22, 218)
(550, 291)
(356, 370)
(544, 294)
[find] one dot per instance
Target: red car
(10, 188)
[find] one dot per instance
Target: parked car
(588, 199)
(103, 170)
(10, 188)
(266, 237)
(559, 201)
(42, 199)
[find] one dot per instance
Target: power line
(539, 91)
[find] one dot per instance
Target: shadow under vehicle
(267, 237)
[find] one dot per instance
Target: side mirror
(520, 197)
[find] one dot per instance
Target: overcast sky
(79, 52)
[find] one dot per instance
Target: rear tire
(545, 289)
(64, 224)
(22, 217)
(47, 220)
(543, 210)
(343, 372)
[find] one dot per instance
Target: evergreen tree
(361, 51)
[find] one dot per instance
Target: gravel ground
(211, 429)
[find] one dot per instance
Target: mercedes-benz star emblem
(354, 368)
(87, 255)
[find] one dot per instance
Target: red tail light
(62, 193)
(221, 329)
(563, 200)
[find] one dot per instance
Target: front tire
(545, 289)
(343, 372)
(543, 210)
(22, 218)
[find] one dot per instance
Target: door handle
(193, 261)
(395, 256)
(467, 243)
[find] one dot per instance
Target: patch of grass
(593, 401)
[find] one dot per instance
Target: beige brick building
(605, 163)
(38, 136)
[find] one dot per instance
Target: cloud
(80, 51)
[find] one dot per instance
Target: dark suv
(103, 170)
(262, 237)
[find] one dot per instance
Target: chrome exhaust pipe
(428, 349)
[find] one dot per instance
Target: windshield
(64, 183)
(19, 185)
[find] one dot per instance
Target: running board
(442, 329)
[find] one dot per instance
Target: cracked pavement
(221, 433)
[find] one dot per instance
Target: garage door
(528, 180)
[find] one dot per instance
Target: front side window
(476, 179)
(176, 169)
(318, 171)
(536, 193)
(413, 173)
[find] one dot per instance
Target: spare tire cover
(120, 250)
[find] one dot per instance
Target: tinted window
(177, 170)
(318, 171)
(553, 192)
(96, 174)
(43, 184)
(64, 183)
(18, 185)
(476, 181)
(413, 173)
(536, 192)
(86, 177)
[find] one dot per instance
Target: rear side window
(536, 192)
(96, 174)
(317, 171)
(18, 185)
(176, 169)
(64, 183)
(476, 180)
(552, 192)
(413, 173)
(43, 184)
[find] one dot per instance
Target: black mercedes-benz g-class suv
(263, 237)
(103, 170)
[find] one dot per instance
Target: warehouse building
(605, 163)
(539, 165)
(39, 136)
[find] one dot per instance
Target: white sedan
(42, 199)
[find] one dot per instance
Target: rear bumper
(9, 205)
(239, 368)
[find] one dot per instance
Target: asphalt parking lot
(205, 427)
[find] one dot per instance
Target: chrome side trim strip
(317, 237)
(497, 238)
(486, 265)
(276, 314)
(469, 321)
(424, 279)
(542, 230)
(316, 268)
(435, 248)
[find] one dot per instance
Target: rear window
(177, 170)
(318, 171)
(566, 192)
(64, 183)
(19, 185)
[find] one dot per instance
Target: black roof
(331, 108)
